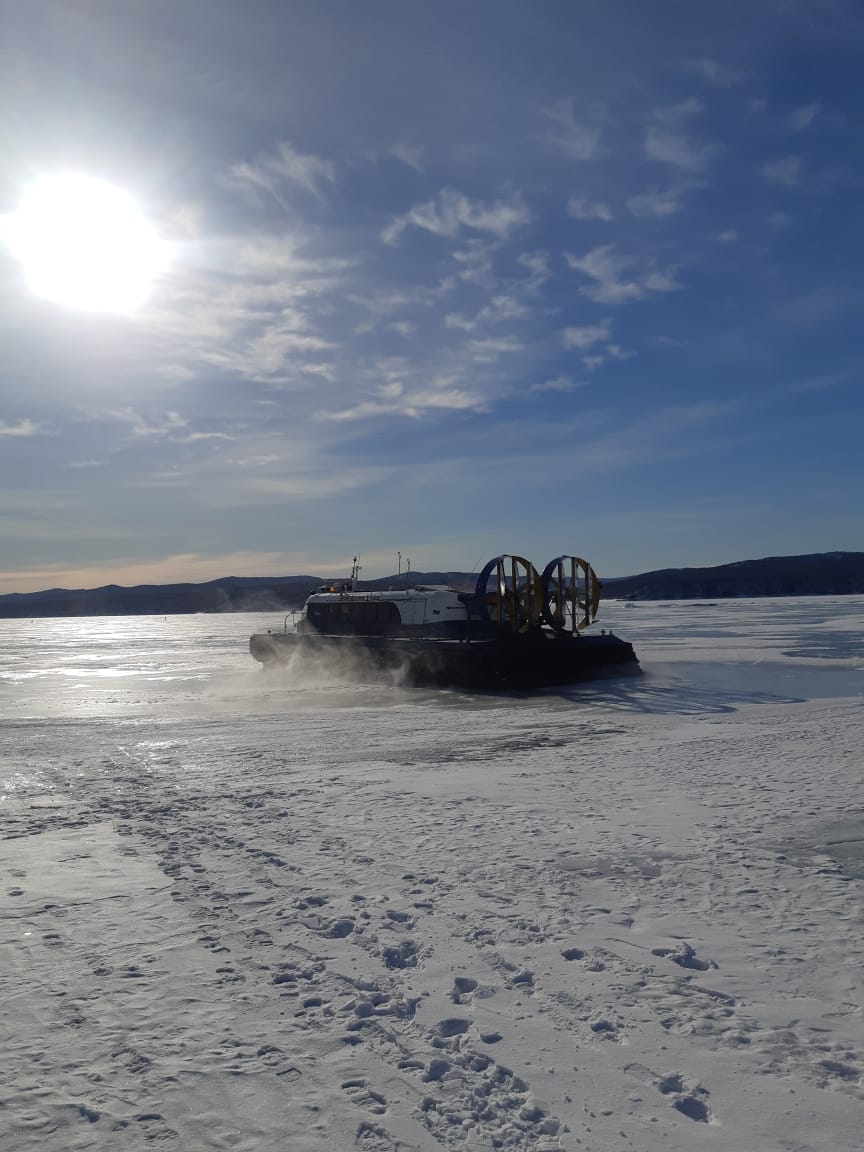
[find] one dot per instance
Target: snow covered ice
(261, 911)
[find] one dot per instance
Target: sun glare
(85, 244)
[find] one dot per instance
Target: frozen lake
(244, 909)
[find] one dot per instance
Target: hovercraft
(518, 628)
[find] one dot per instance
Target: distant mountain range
(229, 594)
(822, 574)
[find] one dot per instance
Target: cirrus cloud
(611, 278)
(451, 211)
(22, 428)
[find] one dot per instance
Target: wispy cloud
(587, 335)
(616, 352)
(490, 349)
(715, 74)
(612, 281)
(539, 271)
(786, 170)
(411, 156)
(655, 203)
(568, 133)
(22, 428)
(673, 431)
(383, 306)
(601, 355)
(159, 426)
(581, 208)
(476, 262)
(410, 403)
(500, 309)
(254, 312)
(801, 119)
(267, 354)
(154, 425)
(301, 486)
(668, 141)
(196, 437)
(272, 171)
(384, 303)
(452, 211)
(558, 384)
(828, 380)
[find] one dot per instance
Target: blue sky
(449, 279)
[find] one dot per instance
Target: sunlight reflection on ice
(696, 657)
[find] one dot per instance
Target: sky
(443, 279)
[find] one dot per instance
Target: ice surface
(243, 908)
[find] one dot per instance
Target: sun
(85, 244)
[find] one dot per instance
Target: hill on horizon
(814, 574)
(824, 573)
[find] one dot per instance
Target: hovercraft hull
(539, 660)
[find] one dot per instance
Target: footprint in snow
(154, 1127)
(395, 916)
(341, 928)
(363, 1096)
(403, 955)
(687, 1098)
(374, 1138)
(524, 978)
(463, 988)
(452, 1026)
(605, 1029)
(311, 902)
(685, 957)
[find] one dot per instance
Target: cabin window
(354, 618)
